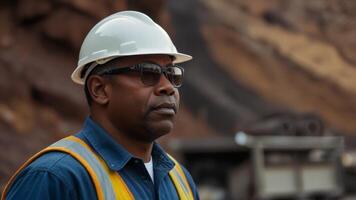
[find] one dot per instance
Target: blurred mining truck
(276, 158)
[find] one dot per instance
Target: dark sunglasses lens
(150, 74)
(175, 76)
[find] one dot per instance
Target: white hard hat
(124, 33)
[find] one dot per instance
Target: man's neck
(137, 148)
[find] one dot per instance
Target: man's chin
(161, 128)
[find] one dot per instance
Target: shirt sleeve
(39, 184)
(191, 183)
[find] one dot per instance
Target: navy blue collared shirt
(57, 175)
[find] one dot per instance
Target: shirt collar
(115, 155)
(161, 161)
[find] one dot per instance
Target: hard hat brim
(178, 58)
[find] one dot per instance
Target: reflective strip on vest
(180, 181)
(117, 183)
(108, 184)
(71, 143)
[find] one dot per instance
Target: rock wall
(299, 55)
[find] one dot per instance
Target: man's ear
(99, 89)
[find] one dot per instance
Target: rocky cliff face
(297, 54)
(273, 56)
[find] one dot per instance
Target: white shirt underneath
(149, 167)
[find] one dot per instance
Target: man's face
(143, 112)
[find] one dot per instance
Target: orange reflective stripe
(116, 180)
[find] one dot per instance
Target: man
(127, 64)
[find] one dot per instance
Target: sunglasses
(151, 73)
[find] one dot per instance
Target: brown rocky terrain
(298, 54)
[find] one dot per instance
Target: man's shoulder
(59, 164)
(55, 175)
(53, 160)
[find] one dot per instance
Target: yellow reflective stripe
(180, 181)
(182, 195)
(122, 192)
(94, 177)
(179, 178)
(182, 176)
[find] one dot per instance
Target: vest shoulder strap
(180, 181)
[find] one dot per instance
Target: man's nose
(164, 87)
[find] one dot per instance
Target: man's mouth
(165, 109)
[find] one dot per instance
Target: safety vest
(108, 184)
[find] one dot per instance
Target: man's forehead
(130, 60)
